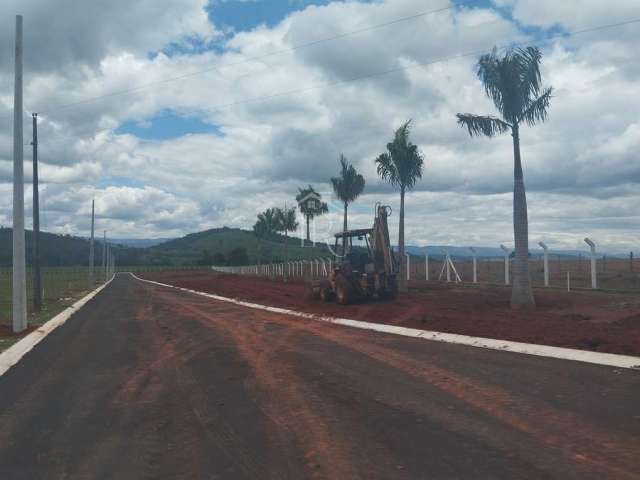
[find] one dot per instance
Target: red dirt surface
(584, 320)
(6, 331)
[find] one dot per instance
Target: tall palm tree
(286, 222)
(347, 186)
(513, 83)
(401, 166)
(310, 211)
(265, 226)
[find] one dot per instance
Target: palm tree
(347, 186)
(513, 82)
(401, 166)
(265, 226)
(310, 210)
(286, 222)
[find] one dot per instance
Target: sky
(182, 115)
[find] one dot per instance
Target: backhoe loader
(361, 273)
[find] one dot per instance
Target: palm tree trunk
(521, 293)
(402, 284)
(308, 240)
(344, 229)
(286, 255)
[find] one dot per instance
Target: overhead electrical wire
(217, 68)
(415, 65)
(557, 36)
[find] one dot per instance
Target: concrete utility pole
(546, 262)
(91, 250)
(594, 279)
(37, 279)
(507, 252)
(104, 255)
(19, 289)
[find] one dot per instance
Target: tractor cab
(357, 259)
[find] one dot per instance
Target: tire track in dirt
(284, 398)
(580, 443)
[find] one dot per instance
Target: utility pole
(19, 288)
(37, 279)
(104, 255)
(91, 258)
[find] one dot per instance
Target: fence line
(612, 273)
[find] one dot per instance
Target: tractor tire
(344, 291)
(390, 292)
(326, 294)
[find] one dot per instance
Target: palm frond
(537, 110)
(387, 169)
(482, 125)
(488, 71)
(528, 63)
(349, 184)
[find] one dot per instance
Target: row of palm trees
(401, 166)
(513, 83)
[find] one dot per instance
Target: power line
(250, 59)
(417, 64)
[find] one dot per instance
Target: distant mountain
(140, 242)
(215, 243)
(62, 250)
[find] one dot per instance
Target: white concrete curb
(608, 359)
(14, 354)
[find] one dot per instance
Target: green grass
(62, 286)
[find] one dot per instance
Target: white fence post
(506, 263)
(594, 278)
(426, 267)
(408, 266)
(545, 254)
(475, 265)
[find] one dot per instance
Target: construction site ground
(595, 321)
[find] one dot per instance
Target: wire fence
(60, 285)
(615, 274)
(611, 273)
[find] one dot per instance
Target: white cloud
(581, 167)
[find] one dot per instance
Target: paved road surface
(149, 382)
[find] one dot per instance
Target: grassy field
(61, 286)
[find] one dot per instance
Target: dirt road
(149, 382)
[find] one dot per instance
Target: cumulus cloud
(281, 120)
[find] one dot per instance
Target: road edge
(12, 355)
(598, 358)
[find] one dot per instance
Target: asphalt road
(149, 382)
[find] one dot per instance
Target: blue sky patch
(166, 125)
(245, 15)
(114, 181)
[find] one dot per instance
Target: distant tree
(310, 211)
(513, 82)
(206, 258)
(265, 227)
(401, 166)
(347, 186)
(219, 258)
(238, 256)
(286, 222)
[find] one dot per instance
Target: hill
(216, 246)
(61, 250)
